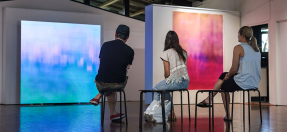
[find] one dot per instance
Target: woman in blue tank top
(245, 70)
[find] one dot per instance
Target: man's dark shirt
(115, 56)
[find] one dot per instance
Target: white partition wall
(273, 13)
(159, 20)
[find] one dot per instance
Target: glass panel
(264, 29)
(265, 43)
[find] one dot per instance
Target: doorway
(260, 32)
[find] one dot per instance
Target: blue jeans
(171, 86)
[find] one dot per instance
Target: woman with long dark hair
(175, 71)
(245, 70)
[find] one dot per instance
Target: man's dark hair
(122, 36)
(122, 32)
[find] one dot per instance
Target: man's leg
(96, 100)
(112, 100)
(98, 96)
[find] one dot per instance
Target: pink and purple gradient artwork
(201, 35)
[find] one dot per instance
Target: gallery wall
(258, 12)
(273, 13)
(160, 23)
(237, 5)
(110, 20)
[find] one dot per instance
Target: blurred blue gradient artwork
(59, 62)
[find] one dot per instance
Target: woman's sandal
(172, 119)
(203, 104)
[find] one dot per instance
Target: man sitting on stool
(115, 59)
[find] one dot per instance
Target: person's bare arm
(166, 69)
(237, 53)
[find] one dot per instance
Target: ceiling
(137, 7)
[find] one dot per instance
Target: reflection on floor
(86, 118)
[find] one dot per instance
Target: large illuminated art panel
(59, 62)
(201, 35)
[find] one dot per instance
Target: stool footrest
(204, 107)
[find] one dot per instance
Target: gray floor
(86, 118)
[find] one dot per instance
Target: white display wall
(159, 22)
(12, 45)
(9, 92)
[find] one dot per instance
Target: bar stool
(104, 100)
(162, 92)
(248, 104)
(212, 104)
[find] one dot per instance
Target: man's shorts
(103, 87)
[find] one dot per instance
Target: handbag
(155, 115)
(151, 107)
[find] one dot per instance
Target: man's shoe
(95, 101)
(117, 117)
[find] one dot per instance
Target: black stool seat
(177, 90)
(104, 100)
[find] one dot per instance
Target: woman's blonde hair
(247, 32)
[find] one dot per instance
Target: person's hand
(226, 77)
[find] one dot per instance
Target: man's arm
(99, 64)
(131, 61)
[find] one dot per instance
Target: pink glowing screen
(201, 35)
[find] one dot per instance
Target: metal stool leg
(102, 109)
(181, 107)
(212, 111)
(232, 106)
(244, 109)
(120, 106)
(195, 109)
(125, 107)
(260, 105)
(209, 111)
(172, 110)
(188, 104)
(141, 110)
(163, 110)
(248, 108)
(104, 103)
(227, 109)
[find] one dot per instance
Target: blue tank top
(249, 70)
